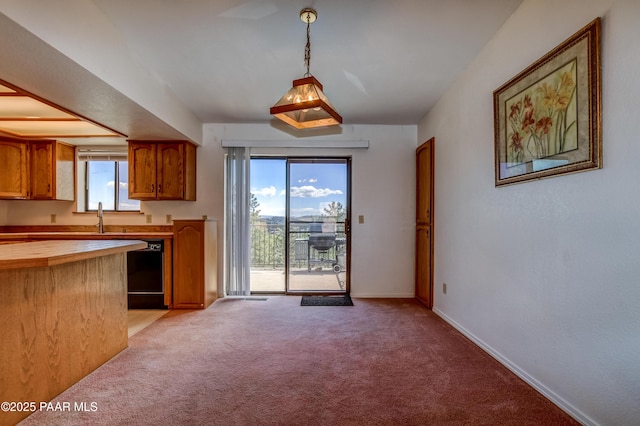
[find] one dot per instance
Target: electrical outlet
(204, 217)
(444, 288)
(149, 217)
(53, 218)
(168, 218)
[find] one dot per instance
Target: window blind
(102, 153)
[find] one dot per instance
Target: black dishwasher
(145, 276)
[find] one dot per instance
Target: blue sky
(313, 186)
(102, 185)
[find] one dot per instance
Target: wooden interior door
(424, 223)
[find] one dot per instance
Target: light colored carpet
(273, 362)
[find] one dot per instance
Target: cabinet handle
(159, 188)
(48, 187)
(153, 188)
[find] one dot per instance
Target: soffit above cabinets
(26, 116)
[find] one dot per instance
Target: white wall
(383, 190)
(115, 64)
(546, 274)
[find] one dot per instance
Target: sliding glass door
(316, 226)
(300, 225)
(268, 210)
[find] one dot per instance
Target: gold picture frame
(547, 119)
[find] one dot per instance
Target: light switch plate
(361, 218)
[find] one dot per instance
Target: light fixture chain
(307, 48)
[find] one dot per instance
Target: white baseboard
(548, 393)
(382, 295)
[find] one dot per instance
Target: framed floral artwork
(548, 118)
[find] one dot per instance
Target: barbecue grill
(321, 243)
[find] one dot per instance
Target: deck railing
(268, 244)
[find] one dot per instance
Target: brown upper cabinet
(53, 170)
(162, 170)
(37, 170)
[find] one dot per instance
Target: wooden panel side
(59, 324)
(190, 165)
(65, 172)
(210, 262)
(168, 272)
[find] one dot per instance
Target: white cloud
(309, 191)
(112, 184)
(269, 191)
(310, 180)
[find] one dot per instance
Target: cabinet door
(42, 171)
(170, 171)
(188, 264)
(142, 171)
(423, 265)
(14, 181)
(424, 177)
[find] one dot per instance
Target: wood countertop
(7, 236)
(48, 253)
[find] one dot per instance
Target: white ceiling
(228, 61)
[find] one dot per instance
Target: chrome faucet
(99, 225)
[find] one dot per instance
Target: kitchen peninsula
(64, 314)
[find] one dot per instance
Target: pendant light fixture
(305, 106)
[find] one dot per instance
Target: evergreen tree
(253, 208)
(336, 210)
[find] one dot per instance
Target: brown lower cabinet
(195, 272)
